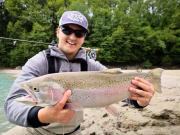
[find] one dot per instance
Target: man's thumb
(64, 99)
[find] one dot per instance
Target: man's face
(70, 39)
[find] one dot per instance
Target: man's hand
(142, 91)
(57, 113)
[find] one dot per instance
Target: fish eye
(35, 89)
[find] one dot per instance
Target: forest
(127, 32)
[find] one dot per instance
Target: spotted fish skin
(89, 89)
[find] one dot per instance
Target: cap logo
(76, 17)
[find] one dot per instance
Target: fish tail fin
(156, 74)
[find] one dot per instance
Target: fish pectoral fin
(113, 71)
(112, 110)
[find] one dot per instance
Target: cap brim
(75, 24)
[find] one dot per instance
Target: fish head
(29, 87)
(42, 93)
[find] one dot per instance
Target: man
(68, 55)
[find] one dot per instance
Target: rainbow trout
(89, 89)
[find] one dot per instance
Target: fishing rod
(91, 52)
(22, 40)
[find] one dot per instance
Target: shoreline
(17, 71)
(10, 70)
(14, 72)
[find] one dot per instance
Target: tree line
(127, 32)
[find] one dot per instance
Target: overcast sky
(1, 1)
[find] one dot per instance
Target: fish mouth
(25, 87)
(27, 100)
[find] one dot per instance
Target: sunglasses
(68, 31)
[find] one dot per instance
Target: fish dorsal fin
(113, 71)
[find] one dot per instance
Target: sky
(1, 1)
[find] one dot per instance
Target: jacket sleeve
(16, 112)
(135, 104)
(95, 65)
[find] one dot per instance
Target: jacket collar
(56, 52)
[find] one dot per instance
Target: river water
(6, 81)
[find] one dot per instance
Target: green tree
(127, 32)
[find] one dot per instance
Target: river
(6, 81)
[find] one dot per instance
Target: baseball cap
(74, 17)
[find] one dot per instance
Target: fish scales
(84, 80)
